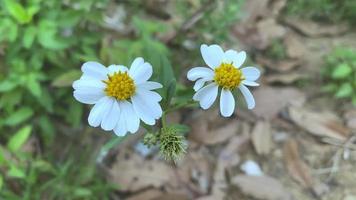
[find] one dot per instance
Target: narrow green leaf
(17, 11)
(66, 79)
(341, 71)
(1, 181)
(29, 36)
(344, 91)
(19, 116)
(16, 172)
(20, 137)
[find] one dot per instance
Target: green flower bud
(150, 139)
(172, 143)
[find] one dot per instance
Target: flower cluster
(122, 97)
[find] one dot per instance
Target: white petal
(95, 70)
(251, 73)
(212, 55)
(88, 84)
(150, 85)
(207, 95)
(142, 74)
(149, 95)
(87, 96)
(199, 84)
(236, 58)
(248, 96)
(200, 72)
(146, 109)
(117, 68)
(250, 83)
(121, 129)
(227, 103)
(136, 64)
(97, 112)
(132, 120)
(111, 118)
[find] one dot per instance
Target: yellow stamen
(120, 85)
(227, 76)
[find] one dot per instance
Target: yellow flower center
(120, 85)
(227, 76)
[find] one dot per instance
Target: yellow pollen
(227, 76)
(120, 85)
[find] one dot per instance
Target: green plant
(340, 73)
(323, 10)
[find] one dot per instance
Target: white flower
(121, 96)
(223, 73)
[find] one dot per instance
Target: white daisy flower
(224, 73)
(121, 96)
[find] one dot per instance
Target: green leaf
(29, 36)
(1, 181)
(8, 30)
(344, 91)
(20, 137)
(33, 85)
(17, 11)
(341, 71)
(16, 172)
(66, 79)
(82, 192)
(19, 116)
(7, 85)
(181, 128)
(47, 36)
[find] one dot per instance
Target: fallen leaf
(287, 78)
(132, 173)
(206, 128)
(294, 46)
(228, 158)
(261, 187)
(313, 29)
(269, 29)
(146, 195)
(261, 137)
(296, 167)
(324, 124)
(280, 65)
(271, 100)
(350, 117)
(195, 171)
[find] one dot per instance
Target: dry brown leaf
(207, 128)
(280, 65)
(350, 117)
(195, 171)
(271, 100)
(146, 195)
(172, 197)
(261, 187)
(294, 46)
(324, 124)
(270, 30)
(132, 173)
(297, 168)
(313, 29)
(287, 78)
(228, 158)
(261, 137)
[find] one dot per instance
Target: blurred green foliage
(340, 74)
(323, 10)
